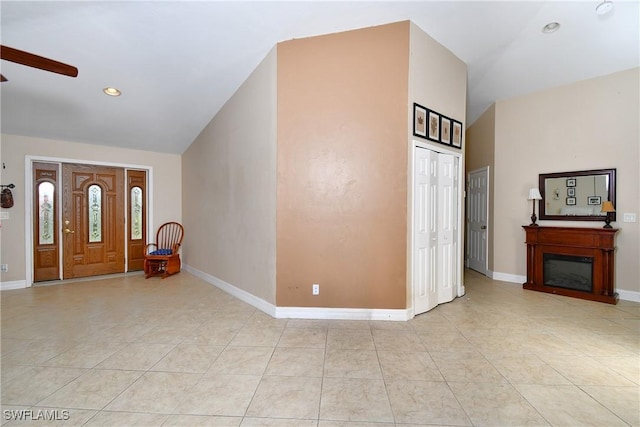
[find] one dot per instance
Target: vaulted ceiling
(178, 62)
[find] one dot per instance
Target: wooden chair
(162, 258)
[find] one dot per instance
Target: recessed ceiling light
(551, 27)
(111, 91)
(605, 7)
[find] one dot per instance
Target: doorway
(80, 217)
(436, 228)
(477, 220)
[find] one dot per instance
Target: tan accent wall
(480, 152)
(14, 149)
(591, 124)
(229, 188)
(342, 169)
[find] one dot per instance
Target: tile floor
(129, 351)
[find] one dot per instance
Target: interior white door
(446, 220)
(425, 247)
(477, 214)
(435, 248)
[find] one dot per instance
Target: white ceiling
(178, 62)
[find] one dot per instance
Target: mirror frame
(542, 203)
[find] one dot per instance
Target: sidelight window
(136, 213)
(46, 215)
(95, 213)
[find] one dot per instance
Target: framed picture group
(436, 127)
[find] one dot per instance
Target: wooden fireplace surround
(598, 243)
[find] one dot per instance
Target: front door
(477, 213)
(92, 220)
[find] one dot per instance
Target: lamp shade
(608, 207)
(534, 194)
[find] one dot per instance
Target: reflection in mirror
(581, 195)
(577, 195)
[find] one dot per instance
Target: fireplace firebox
(568, 272)
(572, 261)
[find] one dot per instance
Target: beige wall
(229, 188)
(14, 149)
(438, 81)
(480, 153)
(342, 169)
(591, 124)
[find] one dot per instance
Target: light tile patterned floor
(129, 351)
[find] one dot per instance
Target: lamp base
(607, 221)
(534, 218)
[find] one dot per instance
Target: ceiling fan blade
(35, 61)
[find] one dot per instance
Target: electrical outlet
(315, 289)
(4, 268)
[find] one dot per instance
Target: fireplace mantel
(595, 243)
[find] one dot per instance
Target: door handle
(66, 229)
(483, 227)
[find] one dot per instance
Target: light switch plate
(630, 217)
(4, 215)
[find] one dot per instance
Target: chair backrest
(169, 236)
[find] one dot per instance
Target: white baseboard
(628, 295)
(400, 315)
(16, 284)
(320, 313)
(241, 294)
(507, 277)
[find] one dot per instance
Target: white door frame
(459, 274)
(485, 170)
(28, 203)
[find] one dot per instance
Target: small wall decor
(430, 124)
(456, 135)
(571, 201)
(6, 198)
(445, 130)
(419, 121)
(594, 200)
(434, 126)
(571, 191)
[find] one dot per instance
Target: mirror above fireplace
(577, 196)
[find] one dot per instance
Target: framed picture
(571, 191)
(433, 129)
(593, 200)
(571, 182)
(456, 134)
(571, 201)
(419, 121)
(445, 130)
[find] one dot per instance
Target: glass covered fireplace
(568, 272)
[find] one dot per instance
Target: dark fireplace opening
(568, 271)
